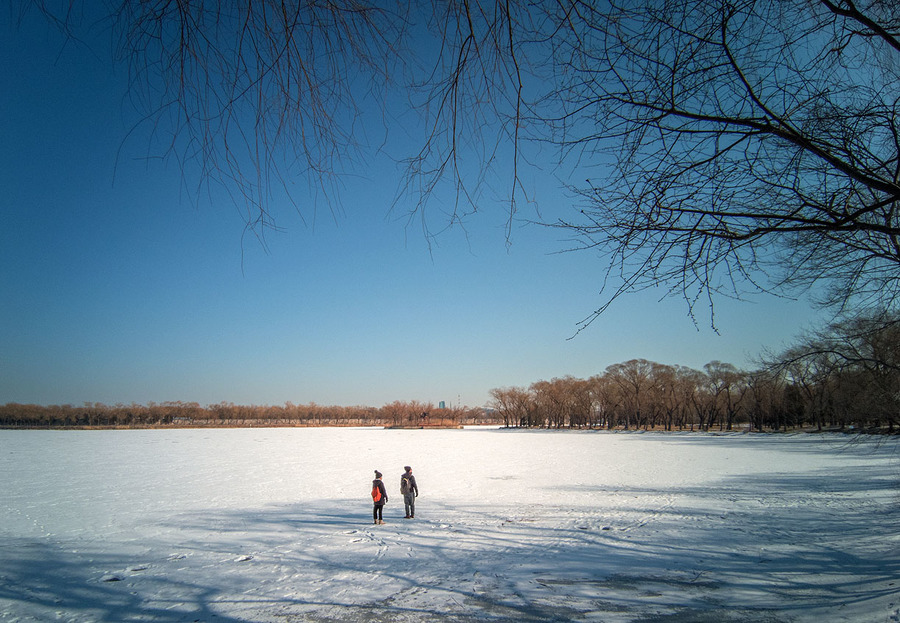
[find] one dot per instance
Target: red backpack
(376, 493)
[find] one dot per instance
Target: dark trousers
(377, 513)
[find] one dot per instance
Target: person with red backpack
(379, 497)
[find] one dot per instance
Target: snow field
(276, 525)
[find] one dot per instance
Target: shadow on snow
(760, 549)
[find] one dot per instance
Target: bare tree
(252, 96)
(580, 402)
(726, 383)
(607, 400)
(756, 145)
(688, 386)
(517, 407)
(634, 379)
(849, 370)
(731, 145)
(550, 402)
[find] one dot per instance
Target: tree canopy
(728, 146)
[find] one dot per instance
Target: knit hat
(408, 468)
(377, 474)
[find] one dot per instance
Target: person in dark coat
(410, 491)
(378, 486)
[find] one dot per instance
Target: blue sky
(119, 285)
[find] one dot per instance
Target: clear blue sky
(116, 285)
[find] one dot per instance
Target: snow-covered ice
(276, 525)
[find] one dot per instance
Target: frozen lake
(276, 525)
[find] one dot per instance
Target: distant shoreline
(497, 426)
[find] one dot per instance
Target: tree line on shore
(846, 376)
(226, 414)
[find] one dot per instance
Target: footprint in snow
(119, 577)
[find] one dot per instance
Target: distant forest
(192, 414)
(846, 377)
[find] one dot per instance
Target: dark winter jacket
(384, 497)
(413, 487)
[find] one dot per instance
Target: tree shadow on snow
(827, 443)
(44, 580)
(766, 548)
(744, 549)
